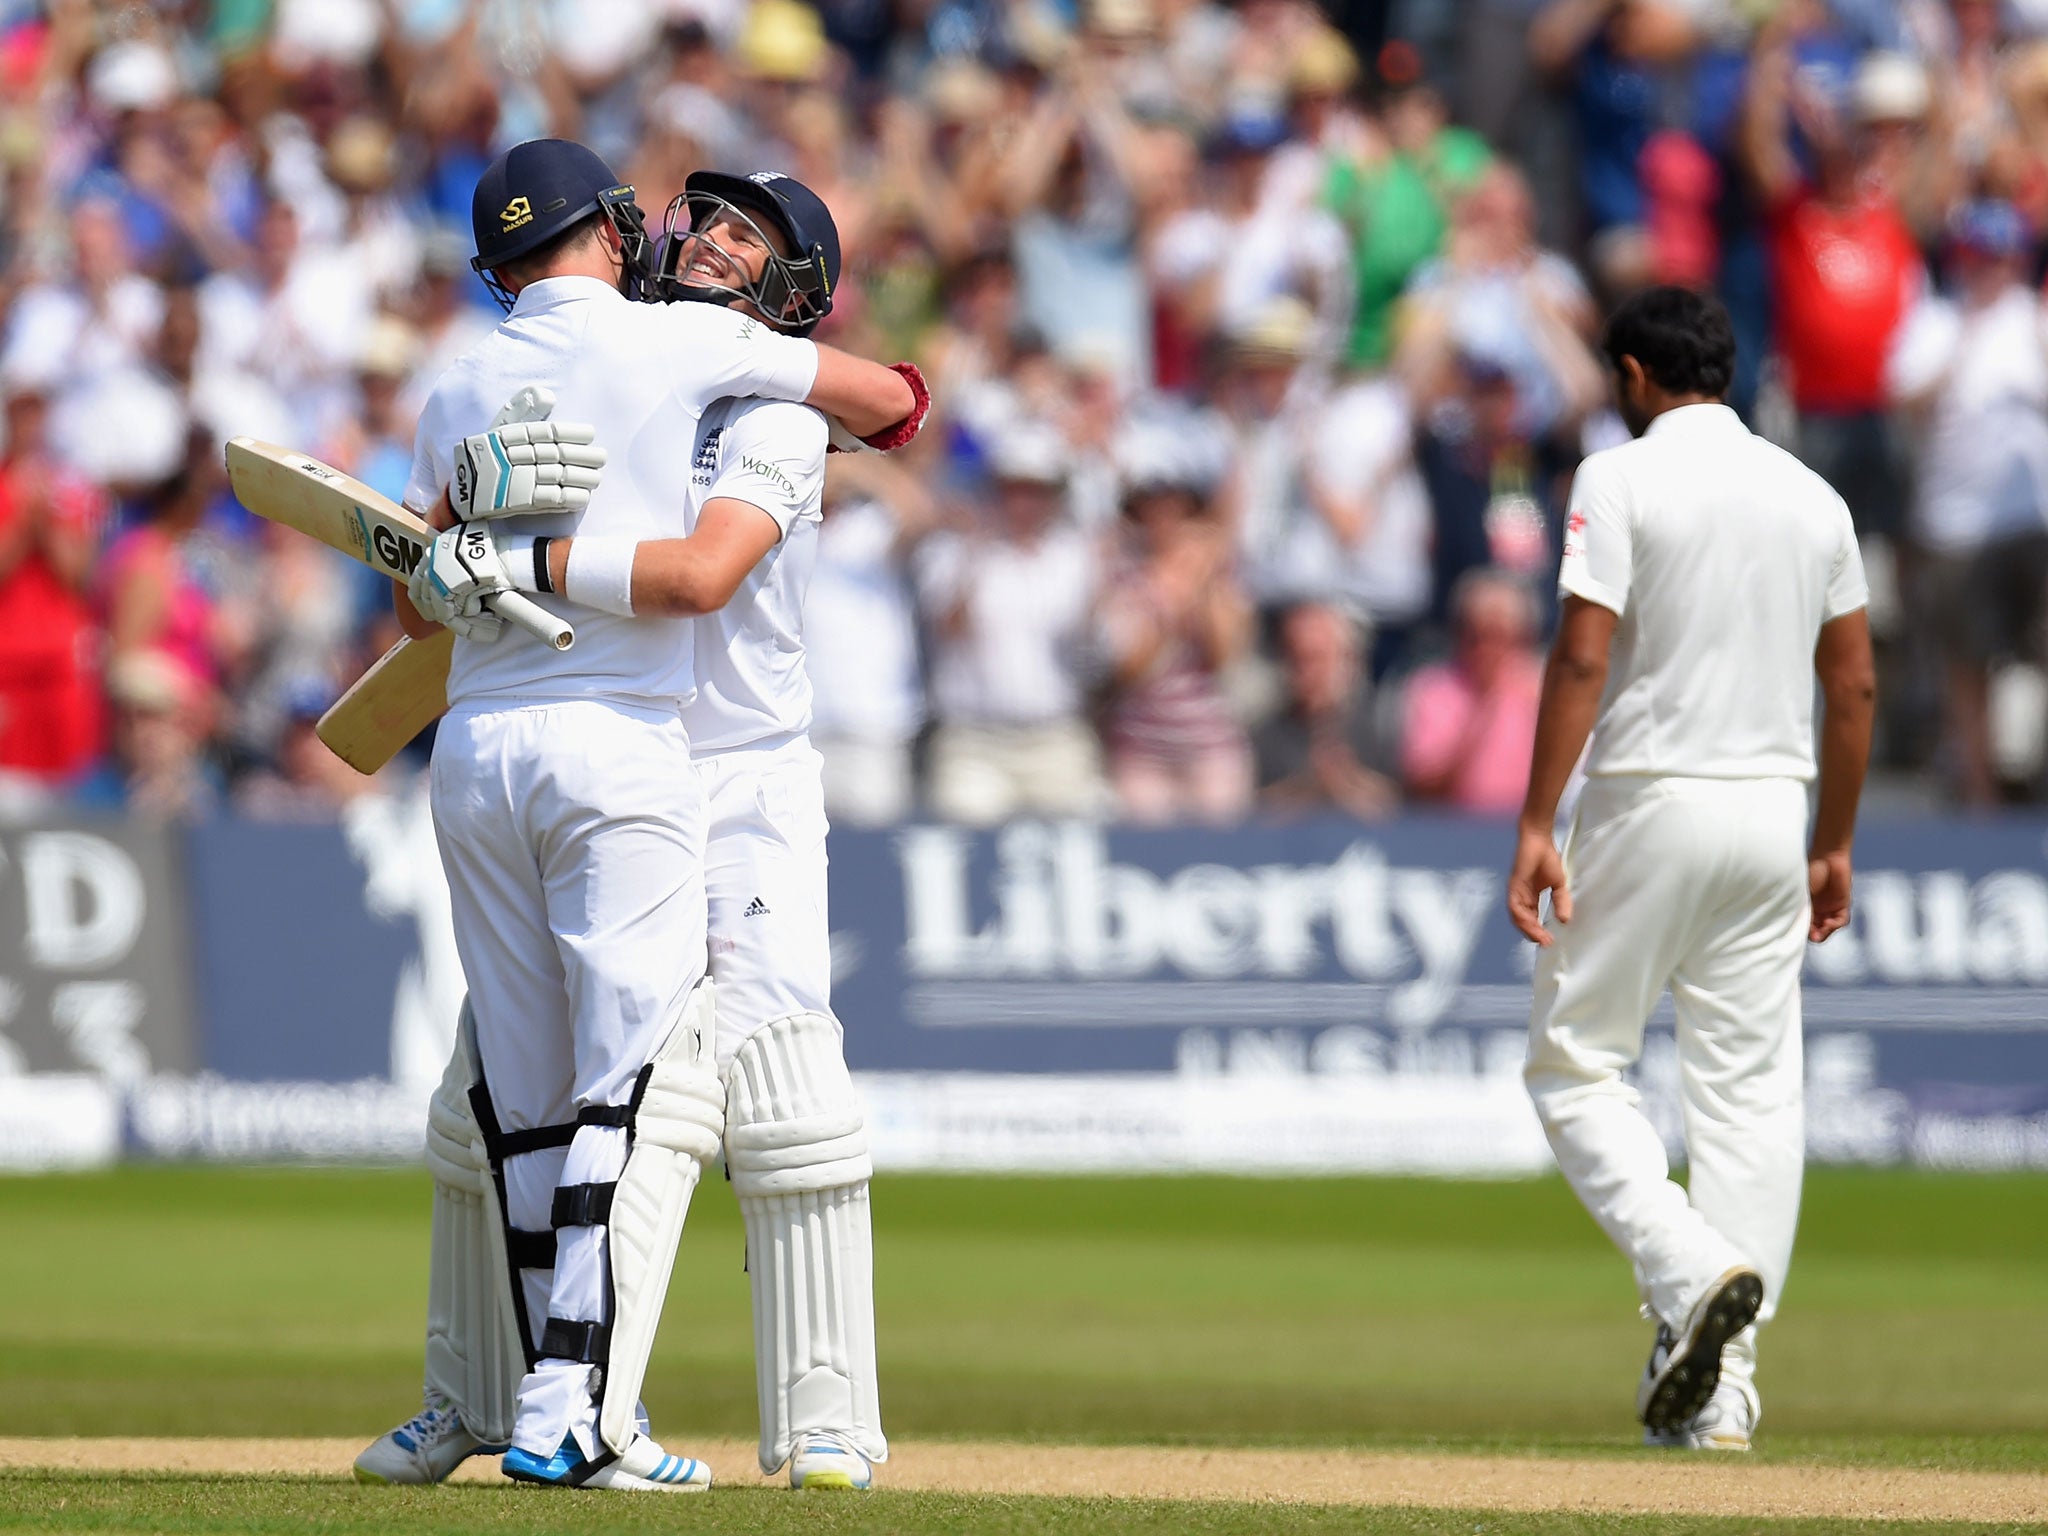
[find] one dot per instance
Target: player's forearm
(410, 619)
(672, 578)
(1844, 758)
(1572, 685)
(866, 397)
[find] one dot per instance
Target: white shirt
(1364, 450)
(1983, 471)
(751, 680)
(1014, 660)
(1723, 556)
(642, 375)
(863, 630)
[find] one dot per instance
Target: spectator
(1973, 370)
(1392, 195)
(51, 523)
(158, 765)
(1008, 601)
(1267, 393)
(860, 640)
(1495, 293)
(1468, 723)
(1315, 755)
(1496, 494)
(156, 604)
(307, 782)
(1844, 266)
(1173, 620)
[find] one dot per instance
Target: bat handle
(518, 608)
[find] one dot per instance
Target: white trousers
(764, 887)
(1698, 885)
(573, 840)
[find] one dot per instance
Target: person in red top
(51, 722)
(1843, 260)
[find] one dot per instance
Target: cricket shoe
(1727, 1423)
(424, 1449)
(644, 1467)
(826, 1460)
(1685, 1367)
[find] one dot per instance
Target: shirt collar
(1706, 417)
(547, 292)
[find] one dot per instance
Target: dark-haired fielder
(1707, 576)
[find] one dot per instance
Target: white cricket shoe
(827, 1460)
(1685, 1367)
(1727, 1423)
(644, 1467)
(424, 1449)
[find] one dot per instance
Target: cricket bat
(288, 487)
(403, 693)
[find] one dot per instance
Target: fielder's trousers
(1698, 885)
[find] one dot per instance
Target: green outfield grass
(288, 1302)
(264, 1506)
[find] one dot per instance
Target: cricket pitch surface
(1655, 1483)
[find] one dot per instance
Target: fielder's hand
(526, 463)
(1827, 878)
(1539, 867)
(458, 572)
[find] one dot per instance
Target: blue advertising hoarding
(1318, 996)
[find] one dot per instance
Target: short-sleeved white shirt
(1723, 556)
(642, 375)
(751, 681)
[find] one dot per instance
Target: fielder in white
(1707, 578)
(584, 1098)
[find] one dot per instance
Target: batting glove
(461, 569)
(526, 463)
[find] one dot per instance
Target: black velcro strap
(534, 1139)
(562, 1339)
(605, 1114)
(529, 1250)
(582, 1205)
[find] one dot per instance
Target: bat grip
(518, 608)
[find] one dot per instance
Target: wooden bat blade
(297, 490)
(404, 692)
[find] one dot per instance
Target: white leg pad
(796, 1148)
(475, 1351)
(677, 1125)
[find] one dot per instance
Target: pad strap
(583, 1205)
(529, 1250)
(568, 1338)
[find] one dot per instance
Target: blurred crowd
(1263, 336)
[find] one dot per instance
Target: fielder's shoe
(826, 1460)
(643, 1468)
(424, 1449)
(1726, 1424)
(1685, 1367)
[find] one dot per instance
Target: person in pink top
(1468, 723)
(154, 599)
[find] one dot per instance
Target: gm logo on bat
(392, 550)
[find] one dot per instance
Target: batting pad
(797, 1150)
(677, 1121)
(475, 1348)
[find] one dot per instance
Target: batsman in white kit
(585, 1096)
(1707, 578)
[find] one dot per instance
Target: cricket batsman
(584, 1098)
(1707, 577)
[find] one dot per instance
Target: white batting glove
(526, 463)
(460, 569)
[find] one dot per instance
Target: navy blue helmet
(538, 190)
(793, 292)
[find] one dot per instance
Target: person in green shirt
(1393, 200)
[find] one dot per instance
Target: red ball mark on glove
(895, 437)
